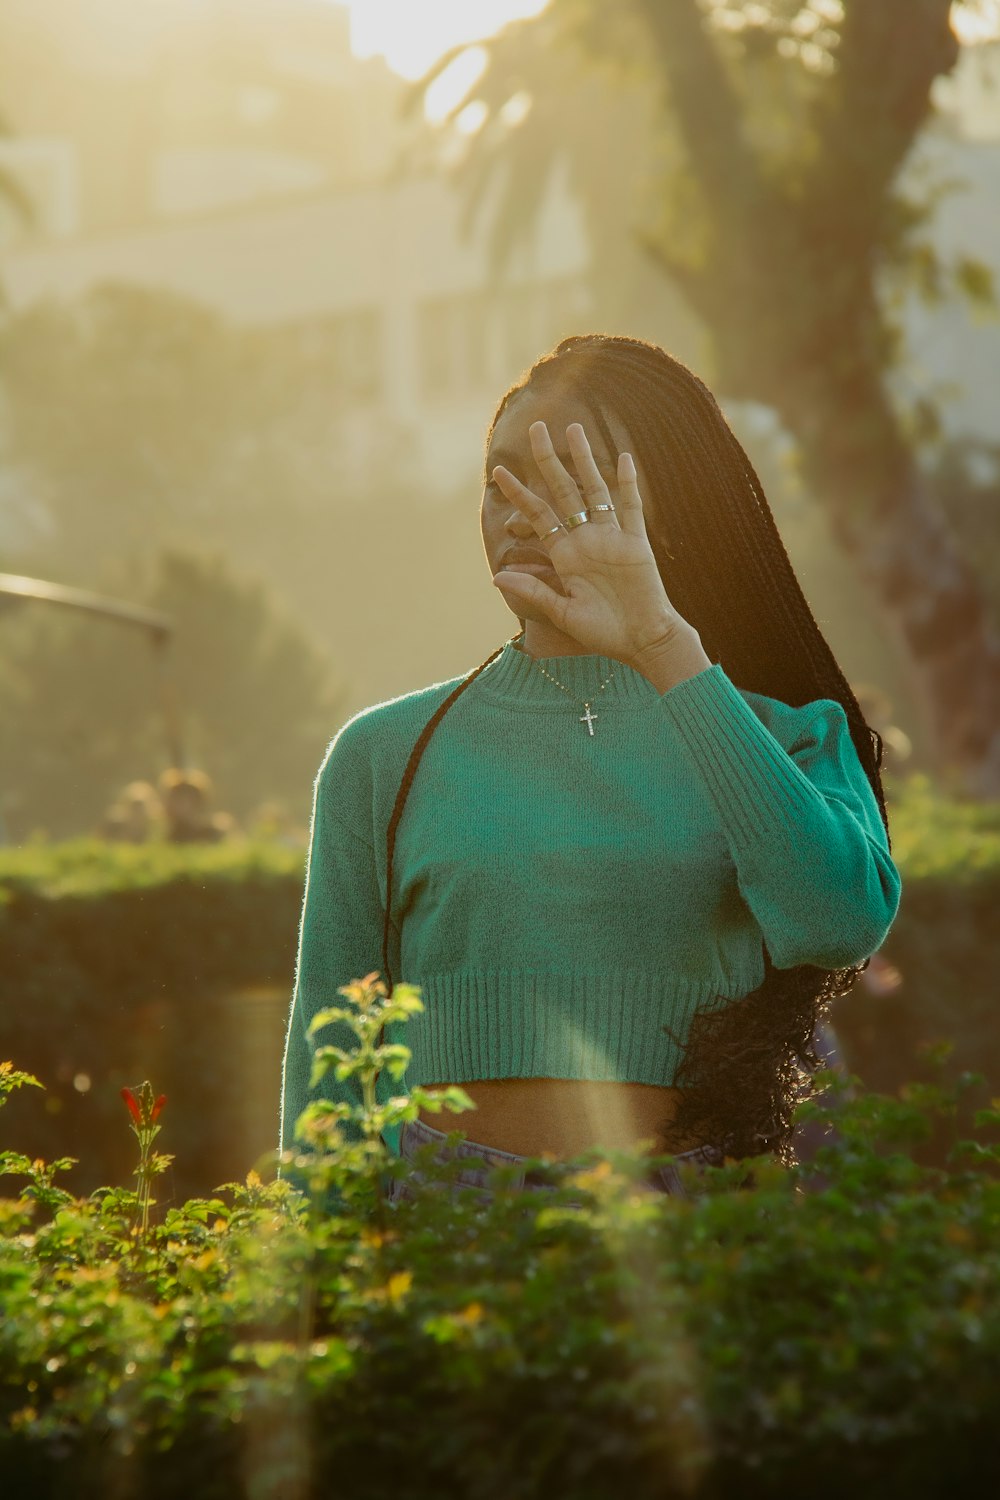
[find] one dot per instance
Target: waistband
(415, 1135)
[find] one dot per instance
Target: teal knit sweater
(561, 897)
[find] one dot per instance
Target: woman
(649, 841)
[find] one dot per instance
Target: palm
(601, 568)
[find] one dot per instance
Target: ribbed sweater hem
(490, 1023)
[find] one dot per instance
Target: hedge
(170, 962)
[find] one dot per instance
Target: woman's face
(503, 526)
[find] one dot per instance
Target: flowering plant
(145, 1110)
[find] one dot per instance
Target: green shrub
(171, 961)
(748, 1341)
(945, 942)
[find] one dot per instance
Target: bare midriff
(563, 1117)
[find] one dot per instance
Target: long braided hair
(726, 571)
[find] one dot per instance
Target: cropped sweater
(564, 899)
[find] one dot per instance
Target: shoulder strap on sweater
(401, 795)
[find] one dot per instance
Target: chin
(536, 619)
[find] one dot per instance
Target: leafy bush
(945, 941)
(751, 1340)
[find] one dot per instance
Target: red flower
(161, 1101)
(133, 1105)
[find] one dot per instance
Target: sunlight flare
(411, 37)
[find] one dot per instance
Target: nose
(519, 526)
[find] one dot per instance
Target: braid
(726, 571)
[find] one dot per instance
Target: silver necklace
(586, 717)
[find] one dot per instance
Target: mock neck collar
(514, 677)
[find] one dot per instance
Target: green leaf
(333, 1014)
(395, 1057)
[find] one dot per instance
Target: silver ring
(546, 534)
(570, 521)
(592, 509)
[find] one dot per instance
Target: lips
(523, 554)
(517, 567)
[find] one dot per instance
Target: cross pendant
(589, 719)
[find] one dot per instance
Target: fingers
(519, 589)
(561, 485)
(628, 500)
(595, 491)
(539, 513)
(571, 495)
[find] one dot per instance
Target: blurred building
(156, 110)
(235, 152)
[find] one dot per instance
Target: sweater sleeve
(340, 940)
(800, 817)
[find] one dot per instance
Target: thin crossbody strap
(397, 811)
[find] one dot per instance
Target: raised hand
(614, 603)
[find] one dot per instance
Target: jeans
(415, 1134)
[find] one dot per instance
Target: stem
(368, 1076)
(145, 1187)
(145, 1179)
(368, 1094)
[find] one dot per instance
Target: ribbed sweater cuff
(753, 781)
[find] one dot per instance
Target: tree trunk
(886, 520)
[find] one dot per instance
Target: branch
(866, 120)
(707, 111)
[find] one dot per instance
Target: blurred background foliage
(81, 713)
